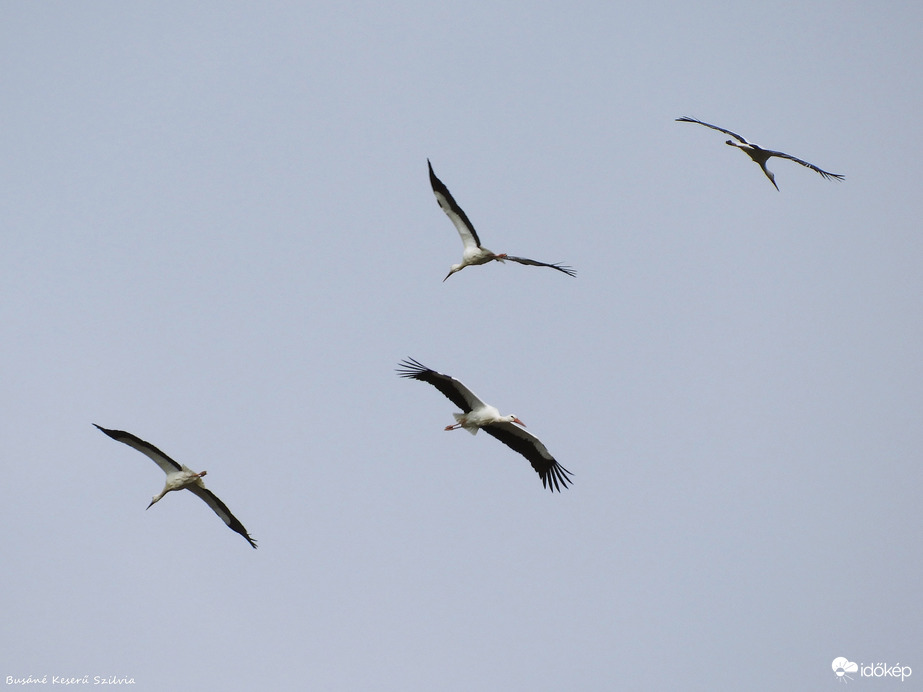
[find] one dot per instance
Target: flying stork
(474, 253)
(760, 155)
(477, 415)
(180, 476)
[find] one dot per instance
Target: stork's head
(769, 174)
(513, 419)
(455, 268)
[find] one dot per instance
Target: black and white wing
(535, 263)
(456, 214)
(714, 127)
(827, 175)
(162, 460)
(553, 475)
(221, 510)
(451, 388)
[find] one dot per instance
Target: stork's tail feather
(460, 419)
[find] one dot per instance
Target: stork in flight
(476, 415)
(474, 253)
(180, 476)
(760, 155)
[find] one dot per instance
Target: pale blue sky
(219, 235)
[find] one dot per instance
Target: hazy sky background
(219, 235)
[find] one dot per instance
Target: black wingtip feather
(411, 368)
(557, 477)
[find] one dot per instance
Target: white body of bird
(177, 480)
(481, 417)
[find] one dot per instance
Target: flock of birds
(475, 414)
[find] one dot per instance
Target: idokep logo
(842, 667)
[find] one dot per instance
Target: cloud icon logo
(841, 666)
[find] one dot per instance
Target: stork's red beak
(516, 420)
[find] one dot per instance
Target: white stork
(760, 155)
(474, 253)
(180, 476)
(480, 416)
